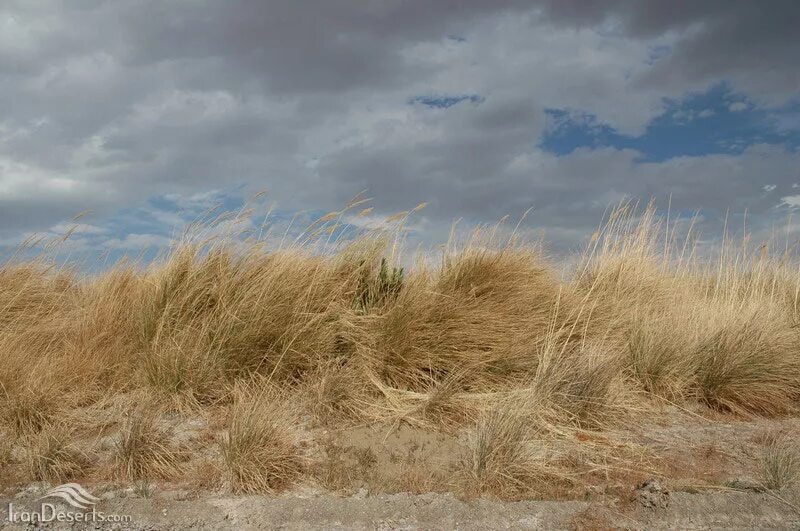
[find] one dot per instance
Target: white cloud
(135, 242)
(78, 228)
(791, 200)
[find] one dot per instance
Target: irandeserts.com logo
(75, 497)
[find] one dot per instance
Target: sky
(147, 113)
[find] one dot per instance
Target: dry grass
(143, 450)
(780, 464)
(51, 457)
(488, 341)
(261, 448)
(501, 457)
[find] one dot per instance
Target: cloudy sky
(147, 112)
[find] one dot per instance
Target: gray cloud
(754, 45)
(108, 103)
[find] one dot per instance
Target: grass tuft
(143, 450)
(261, 448)
(52, 457)
(780, 463)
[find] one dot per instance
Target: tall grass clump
(719, 331)
(356, 333)
(472, 314)
(501, 457)
(261, 447)
(143, 449)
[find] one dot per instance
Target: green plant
(143, 488)
(373, 291)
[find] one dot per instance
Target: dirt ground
(172, 510)
(379, 478)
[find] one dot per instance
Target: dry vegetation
(223, 363)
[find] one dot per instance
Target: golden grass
(780, 463)
(261, 447)
(501, 456)
(142, 449)
(51, 457)
(491, 341)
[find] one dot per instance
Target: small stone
(652, 495)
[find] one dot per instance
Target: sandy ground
(709, 480)
(169, 510)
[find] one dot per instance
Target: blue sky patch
(717, 121)
(445, 101)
